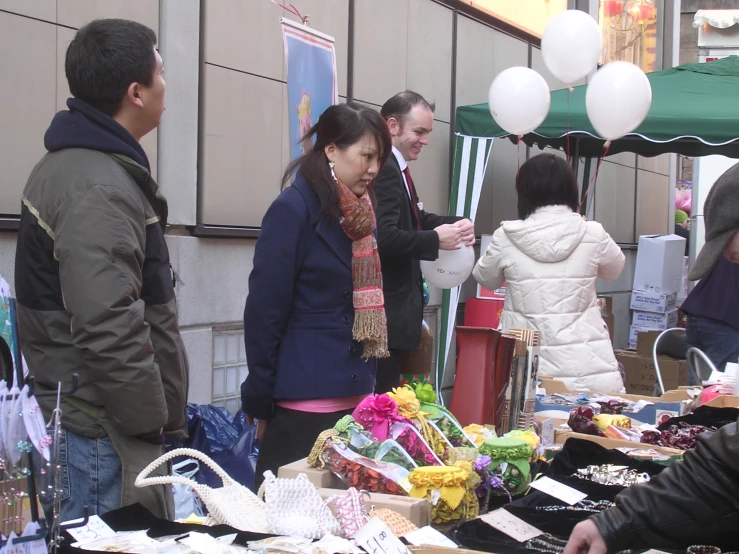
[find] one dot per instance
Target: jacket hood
(83, 126)
(549, 235)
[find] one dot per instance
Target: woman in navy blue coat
(314, 320)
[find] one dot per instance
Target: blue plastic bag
(231, 443)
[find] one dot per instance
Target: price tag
(377, 538)
(96, 528)
(514, 527)
(558, 490)
(547, 432)
(428, 536)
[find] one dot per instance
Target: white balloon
(618, 99)
(451, 268)
(571, 45)
(519, 100)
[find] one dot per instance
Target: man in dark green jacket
(94, 283)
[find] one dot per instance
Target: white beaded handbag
(232, 504)
(295, 508)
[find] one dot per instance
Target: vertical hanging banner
(312, 86)
(470, 161)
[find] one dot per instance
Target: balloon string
(518, 158)
(293, 10)
(568, 123)
(595, 175)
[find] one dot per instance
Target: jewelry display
(582, 506)
(612, 475)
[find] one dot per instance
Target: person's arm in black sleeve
(695, 501)
(391, 240)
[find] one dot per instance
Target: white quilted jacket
(550, 261)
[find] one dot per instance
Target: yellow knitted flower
(449, 481)
(408, 404)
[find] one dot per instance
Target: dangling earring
(331, 166)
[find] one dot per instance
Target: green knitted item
(506, 449)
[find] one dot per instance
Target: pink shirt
(323, 405)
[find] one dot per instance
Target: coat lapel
(329, 231)
(333, 235)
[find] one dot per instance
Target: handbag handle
(143, 479)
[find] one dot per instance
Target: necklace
(582, 506)
(546, 543)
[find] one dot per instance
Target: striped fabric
(470, 161)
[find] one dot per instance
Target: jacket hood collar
(549, 235)
(83, 126)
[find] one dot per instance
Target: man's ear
(133, 94)
(394, 126)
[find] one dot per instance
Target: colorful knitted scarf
(370, 325)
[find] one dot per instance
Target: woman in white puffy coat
(550, 257)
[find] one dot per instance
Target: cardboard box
(641, 377)
(659, 263)
(651, 320)
(657, 302)
(683, 294)
(415, 510)
(724, 402)
(675, 402)
(645, 342)
(321, 478)
(634, 332)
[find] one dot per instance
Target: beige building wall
(224, 140)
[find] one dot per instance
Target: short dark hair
(400, 105)
(105, 57)
(545, 180)
(342, 125)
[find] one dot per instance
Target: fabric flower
(377, 413)
(406, 401)
(482, 462)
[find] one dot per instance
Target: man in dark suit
(406, 233)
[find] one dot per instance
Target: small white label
(96, 528)
(514, 527)
(547, 432)
(420, 206)
(558, 490)
(428, 536)
(377, 538)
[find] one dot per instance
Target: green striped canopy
(694, 112)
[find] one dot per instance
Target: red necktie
(413, 197)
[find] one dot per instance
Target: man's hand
(586, 539)
(261, 426)
(467, 229)
(450, 236)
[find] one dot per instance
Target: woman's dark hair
(342, 125)
(545, 180)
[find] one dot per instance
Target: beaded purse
(232, 504)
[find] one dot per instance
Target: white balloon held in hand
(451, 268)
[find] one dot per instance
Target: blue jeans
(90, 475)
(720, 342)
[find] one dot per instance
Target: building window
(229, 369)
(629, 29)
(530, 16)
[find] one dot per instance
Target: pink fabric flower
(377, 413)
